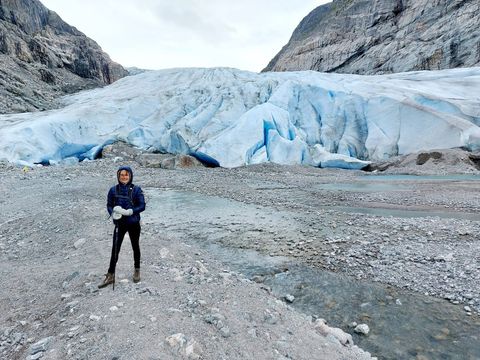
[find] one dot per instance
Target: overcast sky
(158, 34)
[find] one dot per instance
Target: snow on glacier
(230, 118)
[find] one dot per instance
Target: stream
(403, 325)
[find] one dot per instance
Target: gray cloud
(202, 22)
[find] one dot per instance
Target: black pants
(134, 234)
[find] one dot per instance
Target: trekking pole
(115, 252)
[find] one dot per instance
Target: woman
(125, 202)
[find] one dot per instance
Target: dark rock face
(43, 58)
(384, 36)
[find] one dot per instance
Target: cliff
(43, 58)
(384, 36)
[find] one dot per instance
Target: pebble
(225, 331)
(270, 317)
(41, 346)
(77, 244)
(362, 329)
(36, 356)
(193, 350)
(65, 296)
(176, 340)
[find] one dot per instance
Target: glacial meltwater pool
(382, 183)
(403, 325)
(399, 183)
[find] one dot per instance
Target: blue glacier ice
(231, 118)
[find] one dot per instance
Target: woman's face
(124, 177)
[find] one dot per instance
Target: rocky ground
(55, 244)
(54, 249)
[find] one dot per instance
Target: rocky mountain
(43, 58)
(384, 36)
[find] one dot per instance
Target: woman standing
(125, 202)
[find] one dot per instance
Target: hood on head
(129, 171)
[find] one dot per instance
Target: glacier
(229, 118)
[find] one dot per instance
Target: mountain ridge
(42, 58)
(379, 37)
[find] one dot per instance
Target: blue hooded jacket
(128, 196)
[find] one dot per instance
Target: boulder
(152, 160)
(180, 162)
(121, 149)
(333, 333)
(435, 162)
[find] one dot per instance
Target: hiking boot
(136, 276)
(109, 279)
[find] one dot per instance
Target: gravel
(55, 243)
(54, 248)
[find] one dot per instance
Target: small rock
(77, 244)
(176, 340)
(193, 350)
(467, 308)
(269, 317)
(225, 331)
(36, 356)
(333, 334)
(65, 296)
(94, 317)
(164, 253)
(41, 345)
(113, 308)
(71, 305)
(201, 267)
(290, 298)
(443, 335)
(362, 329)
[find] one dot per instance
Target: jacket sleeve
(138, 201)
(110, 200)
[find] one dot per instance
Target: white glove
(116, 216)
(122, 211)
